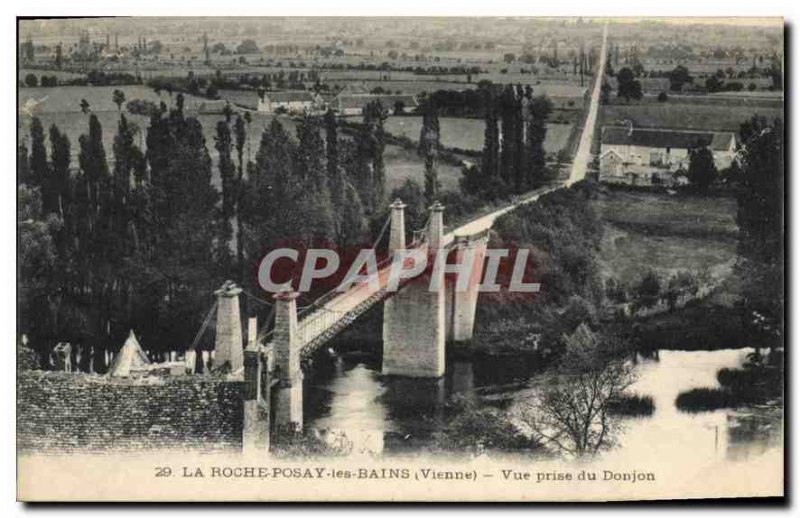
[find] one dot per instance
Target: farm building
(292, 101)
(647, 156)
(353, 104)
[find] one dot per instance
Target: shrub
(616, 291)
(632, 405)
(289, 441)
(648, 289)
(662, 97)
(471, 428)
(703, 399)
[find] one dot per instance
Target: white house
(647, 156)
(292, 101)
(353, 104)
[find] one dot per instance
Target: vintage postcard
(508, 259)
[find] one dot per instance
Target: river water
(381, 415)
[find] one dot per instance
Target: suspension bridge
(417, 321)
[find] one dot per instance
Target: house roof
(346, 101)
(289, 96)
(663, 138)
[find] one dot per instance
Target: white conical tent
(131, 355)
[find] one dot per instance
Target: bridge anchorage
(419, 316)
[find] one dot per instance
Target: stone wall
(66, 412)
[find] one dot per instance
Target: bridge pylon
(397, 226)
(461, 305)
(414, 318)
(286, 343)
(228, 343)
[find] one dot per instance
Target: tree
(227, 172)
(678, 77)
(702, 170)
(119, 98)
(713, 84)
(36, 263)
(509, 110)
(247, 47)
(59, 57)
(31, 80)
(627, 86)
(648, 290)
(38, 166)
(570, 411)
(539, 110)
(310, 169)
(429, 149)
(605, 90)
(60, 192)
(240, 134)
(491, 142)
(760, 218)
(227, 111)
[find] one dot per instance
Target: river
(391, 416)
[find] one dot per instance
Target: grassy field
(468, 133)
(60, 74)
(690, 116)
(402, 164)
(665, 233)
(62, 107)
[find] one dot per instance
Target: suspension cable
(380, 234)
(257, 299)
(203, 327)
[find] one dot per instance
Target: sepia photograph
(400, 259)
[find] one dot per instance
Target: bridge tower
(414, 318)
(228, 344)
(287, 359)
(462, 305)
(255, 428)
(397, 226)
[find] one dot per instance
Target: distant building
(644, 156)
(353, 104)
(293, 101)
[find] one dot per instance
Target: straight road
(584, 153)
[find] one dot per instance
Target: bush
(648, 290)
(473, 429)
(616, 291)
(703, 399)
(662, 97)
(289, 441)
(632, 405)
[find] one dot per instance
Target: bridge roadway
(336, 311)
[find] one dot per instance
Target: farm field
(67, 98)
(689, 116)
(400, 164)
(468, 133)
(665, 233)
